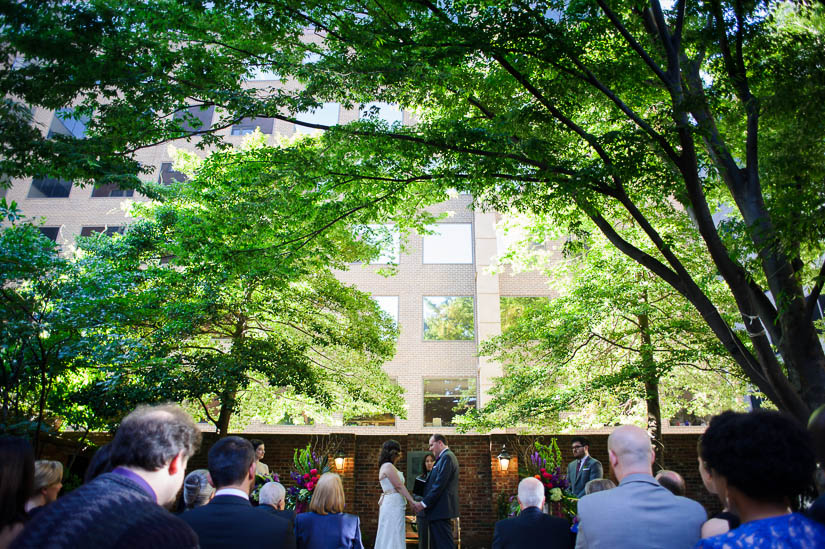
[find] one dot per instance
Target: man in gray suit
(584, 468)
(638, 513)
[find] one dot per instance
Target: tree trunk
(651, 381)
(227, 404)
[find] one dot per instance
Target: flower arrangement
(545, 464)
(308, 470)
(260, 480)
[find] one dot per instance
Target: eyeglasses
(576, 447)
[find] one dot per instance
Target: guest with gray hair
(671, 480)
(272, 498)
(598, 485)
(532, 528)
(196, 489)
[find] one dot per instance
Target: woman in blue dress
(326, 526)
(760, 462)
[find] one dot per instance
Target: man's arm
(439, 483)
(596, 470)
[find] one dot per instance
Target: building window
(65, 122)
(375, 420)
(388, 304)
(195, 119)
(50, 187)
(387, 112)
(451, 243)
(515, 308)
(50, 232)
(324, 115)
(111, 190)
(167, 174)
(248, 125)
(448, 318)
(107, 230)
(445, 399)
(387, 239)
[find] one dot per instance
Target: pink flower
(310, 486)
(546, 475)
(313, 472)
(307, 476)
(543, 470)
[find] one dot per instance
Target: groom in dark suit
(440, 504)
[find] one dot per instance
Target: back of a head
(16, 479)
(766, 455)
(598, 485)
(151, 436)
(46, 473)
(99, 463)
(632, 448)
(671, 480)
(530, 493)
(389, 450)
(196, 489)
(328, 496)
(229, 461)
(272, 493)
(440, 438)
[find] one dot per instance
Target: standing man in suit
(532, 529)
(440, 504)
(639, 513)
(229, 520)
(584, 468)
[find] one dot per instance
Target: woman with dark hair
(392, 504)
(16, 484)
(759, 463)
(723, 521)
(261, 468)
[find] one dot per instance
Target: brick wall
(480, 477)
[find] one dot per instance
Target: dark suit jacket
(441, 492)
(287, 514)
(532, 529)
(231, 521)
(334, 531)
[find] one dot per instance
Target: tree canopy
(612, 112)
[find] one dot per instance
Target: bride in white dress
(391, 528)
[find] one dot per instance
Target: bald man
(638, 513)
(532, 529)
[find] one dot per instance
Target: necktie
(579, 469)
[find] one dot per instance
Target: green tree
(239, 303)
(592, 111)
(618, 344)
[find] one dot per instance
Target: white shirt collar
(442, 451)
(232, 492)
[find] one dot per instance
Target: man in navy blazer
(532, 529)
(229, 520)
(440, 504)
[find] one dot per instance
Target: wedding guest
(272, 497)
(671, 480)
(421, 480)
(16, 481)
(196, 489)
(261, 468)
(124, 508)
(761, 460)
(723, 521)
(532, 529)
(584, 468)
(326, 525)
(99, 464)
(598, 485)
(638, 513)
(816, 426)
(48, 480)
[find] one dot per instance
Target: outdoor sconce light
(340, 456)
(504, 458)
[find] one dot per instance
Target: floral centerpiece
(544, 463)
(260, 480)
(308, 470)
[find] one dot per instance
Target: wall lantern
(340, 456)
(504, 458)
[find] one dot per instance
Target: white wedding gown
(391, 527)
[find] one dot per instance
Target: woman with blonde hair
(326, 526)
(48, 480)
